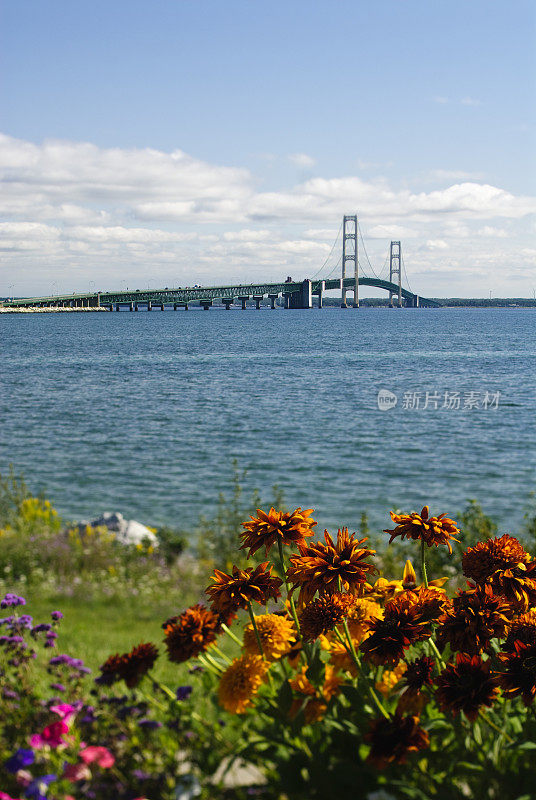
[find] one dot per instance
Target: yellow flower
(390, 678)
(277, 635)
(240, 681)
(360, 614)
(316, 706)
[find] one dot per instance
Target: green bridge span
(296, 294)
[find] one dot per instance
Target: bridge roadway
(297, 294)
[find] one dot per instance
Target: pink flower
(76, 772)
(4, 796)
(51, 736)
(65, 711)
(101, 755)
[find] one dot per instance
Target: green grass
(96, 628)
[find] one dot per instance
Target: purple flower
(56, 615)
(58, 687)
(149, 724)
(20, 759)
(43, 626)
(38, 788)
(183, 693)
(12, 600)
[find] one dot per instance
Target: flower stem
(289, 596)
(423, 565)
(495, 727)
(257, 635)
(229, 632)
(350, 648)
(219, 652)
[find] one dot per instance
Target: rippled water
(143, 413)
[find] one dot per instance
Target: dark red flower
(392, 739)
(130, 667)
(190, 633)
(477, 616)
(466, 686)
(518, 678)
(401, 626)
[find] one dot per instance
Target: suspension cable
(366, 254)
(330, 254)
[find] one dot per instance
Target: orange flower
(466, 686)
(320, 567)
(276, 526)
(506, 566)
(130, 667)
(277, 635)
(361, 613)
(390, 678)
(522, 629)
(316, 706)
(231, 592)
(431, 530)
(190, 633)
(322, 615)
(392, 739)
(240, 682)
(477, 616)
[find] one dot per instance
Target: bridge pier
(135, 307)
(162, 307)
(206, 304)
(149, 305)
(257, 302)
(320, 293)
(117, 307)
(244, 300)
(131, 308)
(227, 302)
(273, 298)
(186, 306)
(303, 298)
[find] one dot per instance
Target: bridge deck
(195, 294)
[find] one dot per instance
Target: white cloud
(74, 210)
(470, 101)
(302, 160)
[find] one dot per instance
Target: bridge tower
(395, 271)
(349, 253)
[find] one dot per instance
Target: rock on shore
(127, 531)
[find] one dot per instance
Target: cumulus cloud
(74, 209)
(302, 160)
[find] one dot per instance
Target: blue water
(143, 413)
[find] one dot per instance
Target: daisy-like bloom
(418, 674)
(477, 616)
(522, 629)
(228, 593)
(322, 565)
(321, 615)
(361, 612)
(390, 678)
(466, 686)
(189, 634)
(130, 667)
(518, 678)
(270, 528)
(392, 739)
(277, 635)
(240, 682)
(506, 566)
(401, 626)
(429, 604)
(431, 530)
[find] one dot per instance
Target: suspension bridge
(294, 294)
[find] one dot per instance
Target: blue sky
(218, 140)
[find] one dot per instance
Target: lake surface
(144, 413)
